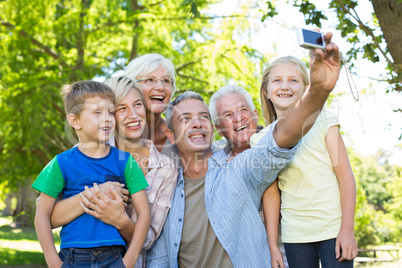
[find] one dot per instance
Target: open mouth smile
(157, 98)
(285, 95)
(241, 128)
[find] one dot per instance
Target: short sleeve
(50, 181)
(330, 119)
(135, 180)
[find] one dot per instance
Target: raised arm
(324, 73)
(346, 245)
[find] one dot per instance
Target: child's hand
(346, 243)
(55, 262)
(276, 258)
(129, 263)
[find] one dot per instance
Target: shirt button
(182, 195)
(180, 220)
(175, 244)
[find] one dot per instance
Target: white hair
(222, 92)
(148, 63)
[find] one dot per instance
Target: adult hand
(325, 66)
(346, 246)
(96, 203)
(107, 190)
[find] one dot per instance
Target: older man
(213, 221)
(235, 117)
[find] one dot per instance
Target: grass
(19, 247)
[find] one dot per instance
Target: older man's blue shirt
(233, 192)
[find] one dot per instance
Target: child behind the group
(318, 190)
(87, 240)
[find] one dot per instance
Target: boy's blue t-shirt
(69, 173)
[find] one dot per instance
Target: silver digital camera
(310, 39)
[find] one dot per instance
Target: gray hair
(148, 63)
(222, 92)
(188, 95)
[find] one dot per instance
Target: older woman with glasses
(155, 77)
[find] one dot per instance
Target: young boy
(87, 240)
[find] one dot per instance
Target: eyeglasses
(149, 81)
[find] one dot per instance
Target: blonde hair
(267, 107)
(75, 95)
(121, 86)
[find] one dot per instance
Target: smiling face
(130, 116)
(237, 122)
(95, 123)
(157, 95)
(285, 87)
(192, 127)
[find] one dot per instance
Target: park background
(47, 43)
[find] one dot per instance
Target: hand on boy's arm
(346, 245)
(110, 211)
(109, 185)
(96, 203)
(67, 210)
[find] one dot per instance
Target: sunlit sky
(370, 123)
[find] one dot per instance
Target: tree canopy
(48, 43)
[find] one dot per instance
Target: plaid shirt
(162, 179)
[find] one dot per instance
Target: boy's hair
(75, 95)
(267, 107)
(121, 86)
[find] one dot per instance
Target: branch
(366, 29)
(46, 49)
(42, 156)
(193, 78)
(114, 23)
(155, 4)
(205, 18)
(187, 64)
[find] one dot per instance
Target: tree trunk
(26, 203)
(389, 15)
(7, 210)
(134, 46)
